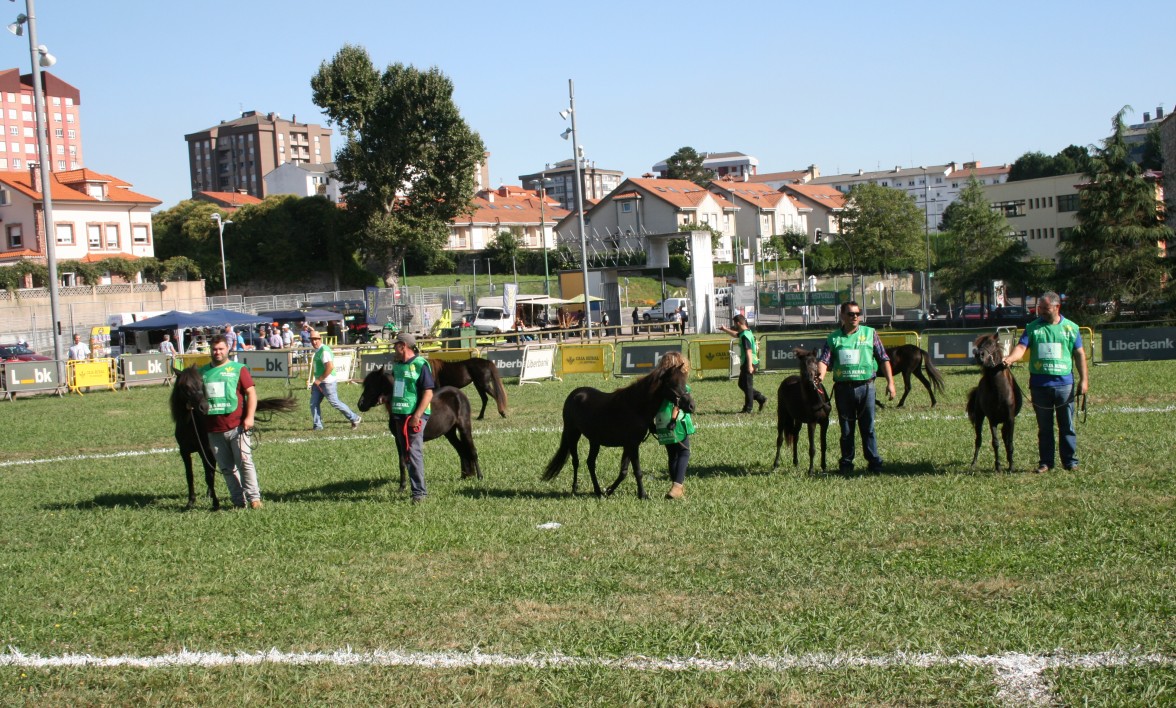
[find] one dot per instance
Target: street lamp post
(41, 57)
(542, 184)
(220, 230)
(571, 112)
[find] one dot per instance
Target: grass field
(928, 584)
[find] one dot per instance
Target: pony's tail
(500, 397)
(936, 377)
(561, 457)
(277, 405)
(975, 414)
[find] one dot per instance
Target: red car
(20, 352)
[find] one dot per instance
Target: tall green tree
(1032, 165)
(980, 247)
(686, 164)
(409, 160)
(1114, 255)
(885, 229)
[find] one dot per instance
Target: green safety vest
(1051, 347)
(852, 355)
(320, 366)
(749, 336)
(220, 386)
(404, 385)
(668, 430)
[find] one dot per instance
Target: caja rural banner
(91, 372)
(714, 355)
(583, 358)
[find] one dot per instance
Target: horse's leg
(471, 452)
(455, 441)
(574, 451)
(995, 445)
(593, 451)
(812, 429)
(779, 442)
(979, 425)
(187, 457)
(906, 387)
(480, 387)
(1007, 433)
(637, 472)
(210, 481)
(824, 422)
(926, 384)
(795, 442)
(624, 472)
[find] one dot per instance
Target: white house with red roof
(508, 208)
(640, 206)
(825, 204)
(761, 212)
(95, 216)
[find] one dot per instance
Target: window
(626, 207)
(1067, 202)
(30, 149)
(65, 234)
(56, 118)
(60, 149)
(61, 164)
(11, 114)
(1010, 208)
(57, 100)
(72, 133)
(25, 99)
(112, 235)
(3, 162)
(94, 235)
(57, 133)
(139, 233)
(28, 132)
(1051, 202)
(15, 239)
(16, 163)
(69, 118)
(13, 130)
(68, 101)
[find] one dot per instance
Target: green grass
(99, 558)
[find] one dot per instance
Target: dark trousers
(679, 456)
(412, 451)
(750, 395)
(855, 408)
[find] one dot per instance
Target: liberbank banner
(1138, 344)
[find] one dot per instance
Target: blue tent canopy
(183, 320)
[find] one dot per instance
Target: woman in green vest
(674, 425)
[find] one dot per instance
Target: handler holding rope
(412, 391)
(232, 403)
(1054, 344)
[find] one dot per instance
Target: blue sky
(856, 86)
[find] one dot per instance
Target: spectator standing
(166, 346)
(412, 391)
(1055, 345)
(323, 384)
(304, 335)
(79, 350)
(232, 403)
(230, 338)
(287, 337)
(274, 341)
(673, 426)
(855, 353)
(685, 318)
(748, 361)
(636, 321)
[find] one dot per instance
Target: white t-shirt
(79, 351)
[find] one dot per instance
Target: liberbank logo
(1138, 344)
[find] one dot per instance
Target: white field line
(764, 421)
(1018, 677)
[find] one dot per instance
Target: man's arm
(250, 407)
(1019, 351)
(889, 380)
(1080, 359)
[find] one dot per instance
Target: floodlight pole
(580, 208)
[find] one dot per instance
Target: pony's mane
(645, 386)
(188, 383)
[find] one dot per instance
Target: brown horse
(907, 359)
(189, 409)
(802, 399)
(997, 399)
(483, 373)
(618, 419)
(449, 416)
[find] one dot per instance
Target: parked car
(664, 310)
(455, 303)
(723, 296)
(20, 352)
(974, 314)
(1013, 315)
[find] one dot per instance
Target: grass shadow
(331, 491)
(113, 501)
(562, 492)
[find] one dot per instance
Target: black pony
(907, 359)
(483, 373)
(997, 399)
(802, 399)
(189, 409)
(618, 419)
(450, 416)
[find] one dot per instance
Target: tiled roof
(863, 176)
(95, 257)
(979, 172)
(230, 199)
(793, 176)
(23, 253)
(681, 193)
(117, 190)
(827, 196)
(521, 207)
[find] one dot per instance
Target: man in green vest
(748, 361)
(1054, 344)
(323, 384)
(232, 403)
(412, 391)
(855, 353)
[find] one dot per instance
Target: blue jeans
(330, 392)
(1050, 402)
(855, 407)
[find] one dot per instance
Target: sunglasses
(854, 314)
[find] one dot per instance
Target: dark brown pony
(449, 416)
(189, 409)
(618, 419)
(483, 373)
(997, 399)
(802, 400)
(908, 359)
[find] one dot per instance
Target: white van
(664, 310)
(493, 320)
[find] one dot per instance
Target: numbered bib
(398, 388)
(214, 389)
(1049, 350)
(849, 357)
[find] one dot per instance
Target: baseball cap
(407, 338)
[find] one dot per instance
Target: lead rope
(201, 440)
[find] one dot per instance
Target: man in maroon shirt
(232, 403)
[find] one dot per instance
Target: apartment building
(237, 154)
(735, 165)
(519, 211)
(561, 182)
(18, 122)
(1041, 212)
